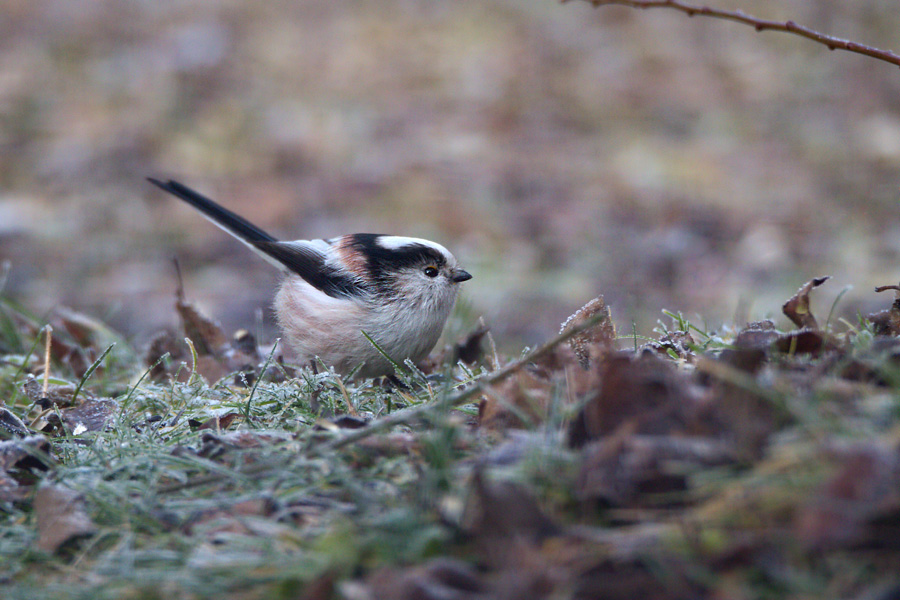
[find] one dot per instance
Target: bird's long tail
(305, 258)
(255, 238)
(234, 224)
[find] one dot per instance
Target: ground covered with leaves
(750, 462)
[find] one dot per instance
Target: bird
(359, 303)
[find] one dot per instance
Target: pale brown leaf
(61, 517)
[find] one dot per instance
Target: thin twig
(405, 416)
(462, 397)
(739, 16)
(48, 337)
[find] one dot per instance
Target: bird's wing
(306, 259)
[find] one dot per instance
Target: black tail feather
(234, 224)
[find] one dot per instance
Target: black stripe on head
(383, 263)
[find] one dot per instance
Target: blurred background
(558, 150)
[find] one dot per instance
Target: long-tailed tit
(397, 290)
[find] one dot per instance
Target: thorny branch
(833, 43)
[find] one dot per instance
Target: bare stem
(464, 396)
(48, 337)
(833, 43)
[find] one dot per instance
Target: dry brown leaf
(438, 579)
(759, 335)
(61, 517)
(91, 415)
(591, 344)
(229, 518)
(860, 494)
(746, 360)
(679, 342)
(735, 408)
(162, 343)
(520, 401)
(623, 469)
(215, 445)
(84, 329)
(77, 350)
(805, 341)
(797, 308)
(208, 367)
(19, 458)
(217, 355)
(501, 515)
(763, 336)
(887, 322)
(11, 425)
(646, 392)
(21, 453)
(58, 395)
(466, 349)
(219, 422)
(203, 331)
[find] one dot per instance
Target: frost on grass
(691, 466)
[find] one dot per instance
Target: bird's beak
(458, 276)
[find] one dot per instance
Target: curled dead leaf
(797, 308)
(84, 330)
(759, 335)
(887, 322)
(161, 344)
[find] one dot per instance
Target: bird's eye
(431, 271)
